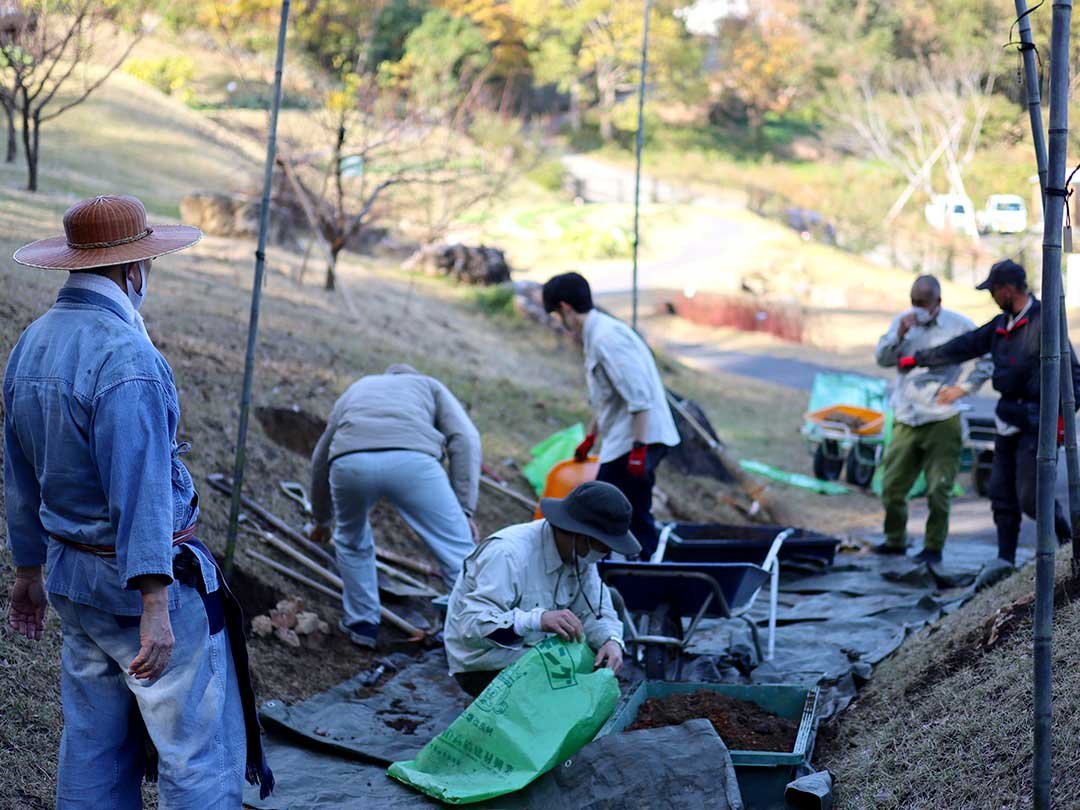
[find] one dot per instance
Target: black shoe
(928, 556)
(362, 634)
(888, 548)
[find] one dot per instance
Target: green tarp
(794, 479)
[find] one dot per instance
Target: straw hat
(103, 231)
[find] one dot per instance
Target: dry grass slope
(947, 721)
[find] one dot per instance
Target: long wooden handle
(491, 483)
(223, 484)
(412, 631)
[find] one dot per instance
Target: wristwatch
(617, 640)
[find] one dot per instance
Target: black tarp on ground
(835, 626)
(616, 772)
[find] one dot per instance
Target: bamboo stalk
(491, 483)
(1049, 396)
(387, 615)
(1068, 396)
(289, 572)
(256, 294)
(222, 484)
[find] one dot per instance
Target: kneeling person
(534, 579)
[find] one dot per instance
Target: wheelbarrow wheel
(828, 462)
(660, 657)
(859, 472)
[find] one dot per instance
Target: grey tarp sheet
(616, 771)
(385, 725)
(834, 627)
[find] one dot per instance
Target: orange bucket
(566, 475)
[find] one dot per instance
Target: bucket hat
(103, 231)
(597, 510)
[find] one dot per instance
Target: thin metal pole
(1050, 396)
(637, 150)
(256, 295)
(1068, 396)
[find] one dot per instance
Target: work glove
(635, 462)
(906, 364)
(582, 451)
(1061, 432)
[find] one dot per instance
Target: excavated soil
(743, 726)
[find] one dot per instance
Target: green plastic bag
(555, 448)
(539, 711)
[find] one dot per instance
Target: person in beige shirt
(386, 438)
(627, 397)
(534, 579)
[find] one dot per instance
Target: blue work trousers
(192, 713)
(417, 485)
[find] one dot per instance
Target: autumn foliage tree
(766, 66)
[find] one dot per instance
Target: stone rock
(283, 619)
(324, 628)
(262, 626)
(288, 637)
(306, 623)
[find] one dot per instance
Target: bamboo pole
(1068, 397)
(491, 483)
(1050, 396)
(256, 294)
(639, 143)
(386, 614)
(274, 565)
(223, 484)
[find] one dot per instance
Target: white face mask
(592, 556)
(923, 316)
(137, 298)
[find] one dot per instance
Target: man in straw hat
(535, 579)
(97, 494)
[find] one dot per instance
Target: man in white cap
(536, 579)
(97, 495)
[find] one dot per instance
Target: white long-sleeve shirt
(623, 380)
(506, 583)
(914, 397)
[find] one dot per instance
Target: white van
(952, 212)
(1003, 213)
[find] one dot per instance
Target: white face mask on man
(137, 297)
(923, 316)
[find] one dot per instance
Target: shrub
(172, 75)
(497, 300)
(550, 176)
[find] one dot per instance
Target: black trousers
(476, 682)
(639, 492)
(1012, 491)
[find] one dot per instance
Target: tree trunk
(575, 106)
(607, 111)
(331, 266)
(12, 136)
(28, 142)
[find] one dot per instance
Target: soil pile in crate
(743, 726)
(846, 419)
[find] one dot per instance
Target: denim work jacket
(90, 453)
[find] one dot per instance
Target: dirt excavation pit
(743, 726)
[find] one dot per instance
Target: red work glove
(635, 464)
(582, 451)
(906, 363)
(1061, 431)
